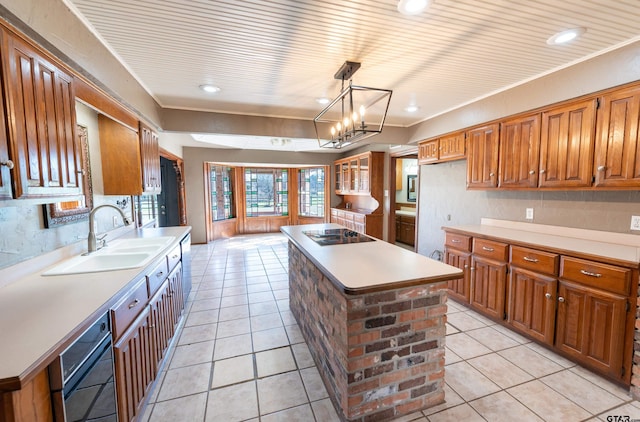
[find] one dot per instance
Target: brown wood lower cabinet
(591, 327)
(576, 306)
(532, 304)
(134, 372)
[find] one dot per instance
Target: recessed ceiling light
(323, 100)
(412, 7)
(566, 36)
(411, 108)
(210, 88)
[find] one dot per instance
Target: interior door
(168, 210)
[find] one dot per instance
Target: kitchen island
(373, 316)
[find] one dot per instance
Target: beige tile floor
(240, 356)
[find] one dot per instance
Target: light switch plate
(529, 214)
(635, 222)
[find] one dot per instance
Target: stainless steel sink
(121, 254)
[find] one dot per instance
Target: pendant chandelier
(356, 114)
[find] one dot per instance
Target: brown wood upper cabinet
(150, 159)
(617, 150)
(355, 175)
(566, 145)
(130, 160)
(40, 123)
(519, 152)
(482, 162)
(445, 148)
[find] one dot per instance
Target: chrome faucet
(92, 244)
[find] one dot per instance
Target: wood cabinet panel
(452, 147)
(120, 153)
(428, 151)
(134, 371)
(532, 300)
(460, 288)
(566, 145)
(150, 160)
(161, 324)
(488, 286)
(519, 152)
(617, 149)
(591, 326)
(42, 129)
(482, 162)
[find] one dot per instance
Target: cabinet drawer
(156, 276)
(490, 249)
(595, 274)
(458, 241)
(532, 259)
(359, 218)
(174, 257)
(128, 308)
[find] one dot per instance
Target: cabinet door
(176, 294)
(161, 326)
(482, 161)
(346, 180)
(363, 170)
(452, 147)
(133, 367)
(428, 151)
(354, 183)
(566, 145)
(531, 304)
(591, 327)
(337, 169)
(617, 154)
(42, 128)
(520, 152)
(488, 283)
(150, 160)
(460, 288)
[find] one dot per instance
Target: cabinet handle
(542, 171)
(472, 268)
(134, 303)
(466, 266)
(159, 274)
(175, 256)
(152, 327)
(526, 258)
(8, 164)
(590, 274)
(547, 295)
(455, 241)
(561, 299)
(601, 168)
(532, 172)
(492, 174)
(484, 248)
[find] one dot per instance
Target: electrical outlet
(529, 214)
(635, 222)
(115, 221)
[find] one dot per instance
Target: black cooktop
(336, 236)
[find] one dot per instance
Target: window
(266, 192)
(311, 192)
(220, 182)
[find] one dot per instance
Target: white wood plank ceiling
(275, 57)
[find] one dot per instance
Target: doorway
(171, 204)
(403, 199)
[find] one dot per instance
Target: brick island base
(380, 354)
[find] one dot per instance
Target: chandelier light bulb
(333, 131)
(346, 122)
(362, 110)
(355, 116)
(338, 126)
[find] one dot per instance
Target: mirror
(67, 212)
(412, 192)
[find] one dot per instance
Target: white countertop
(38, 313)
(620, 247)
(368, 265)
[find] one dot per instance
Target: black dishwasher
(82, 381)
